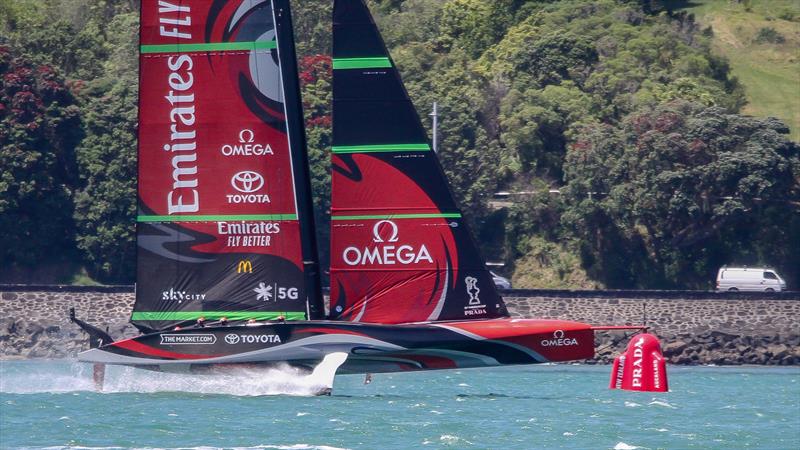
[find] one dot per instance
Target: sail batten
(400, 249)
(181, 316)
(208, 47)
(368, 62)
(215, 218)
(223, 197)
(454, 215)
(372, 148)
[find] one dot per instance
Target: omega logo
(377, 228)
(250, 136)
(386, 254)
(559, 340)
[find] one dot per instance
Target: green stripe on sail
(400, 216)
(208, 47)
(377, 62)
(216, 218)
(381, 148)
(216, 315)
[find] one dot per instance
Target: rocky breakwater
(34, 323)
(694, 327)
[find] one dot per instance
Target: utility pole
(435, 115)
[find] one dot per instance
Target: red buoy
(641, 368)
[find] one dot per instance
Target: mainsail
(400, 249)
(225, 220)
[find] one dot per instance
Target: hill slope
(768, 68)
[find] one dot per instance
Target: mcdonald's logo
(245, 266)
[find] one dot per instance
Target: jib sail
(400, 249)
(225, 226)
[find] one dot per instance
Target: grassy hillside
(768, 68)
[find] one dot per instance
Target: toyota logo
(247, 181)
(232, 338)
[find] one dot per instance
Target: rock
(7, 326)
(32, 329)
(779, 352)
(720, 336)
(674, 348)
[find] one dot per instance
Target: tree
(474, 25)
(312, 28)
(536, 123)
(39, 129)
(105, 213)
(316, 76)
(688, 188)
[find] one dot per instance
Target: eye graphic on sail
(258, 76)
(397, 236)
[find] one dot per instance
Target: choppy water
(50, 404)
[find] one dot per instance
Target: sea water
(52, 404)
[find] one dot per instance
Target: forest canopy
(612, 126)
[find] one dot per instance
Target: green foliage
(315, 81)
(40, 126)
(411, 21)
(68, 34)
(535, 123)
(95, 45)
(105, 211)
(769, 35)
(548, 265)
(680, 190)
(468, 152)
(312, 26)
(622, 106)
(788, 14)
(768, 71)
(474, 25)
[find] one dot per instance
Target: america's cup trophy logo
(473, 290)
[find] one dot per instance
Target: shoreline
(709, 329)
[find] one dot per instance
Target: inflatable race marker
(641, 368)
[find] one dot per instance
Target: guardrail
(652, 293)
(560, 293)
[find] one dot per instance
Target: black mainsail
(400, 249)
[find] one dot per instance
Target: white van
(749, 279)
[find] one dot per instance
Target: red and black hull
(371, 347)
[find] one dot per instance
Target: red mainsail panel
(220, 222)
